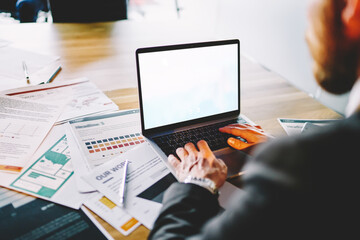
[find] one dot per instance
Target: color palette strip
(114, 143)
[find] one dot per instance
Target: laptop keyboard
(210, 133)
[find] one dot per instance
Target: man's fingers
(173, 161)
(204, 149)
(203, 146)
(182, 153)
(246, 131)
(236, 131)
(237, 126)
(190, 148)
(238, 144)
(227, 129)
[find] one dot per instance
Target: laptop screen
(185, 83)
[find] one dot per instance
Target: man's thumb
(237, 144)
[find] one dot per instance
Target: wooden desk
(105, 53)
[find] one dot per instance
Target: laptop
(187, 92)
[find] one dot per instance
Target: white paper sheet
(11, 66)
(23, 126)
(112, 214)
(294, 126)
(3, 43)
(98, 138)
(49, 173)
(78, 160)
(83, 97)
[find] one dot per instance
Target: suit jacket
(302, 187)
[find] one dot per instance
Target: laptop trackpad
(233, 159)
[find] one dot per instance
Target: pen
(122, 185)
(26, 72)
(53, 75)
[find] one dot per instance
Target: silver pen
(122, 185)
(26, 72)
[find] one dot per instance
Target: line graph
(19, 129)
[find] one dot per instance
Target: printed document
(49, 173)
(23, 126)
(294, 126)
(96, 139)
(112, 214)
(82, 97)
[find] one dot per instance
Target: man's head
(334, 41)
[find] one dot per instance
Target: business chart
(102, 137)
(48, 173)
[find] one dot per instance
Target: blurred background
(271, 32)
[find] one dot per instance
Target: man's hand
(252, 134)
(200, 163)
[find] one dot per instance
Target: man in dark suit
(303, 187)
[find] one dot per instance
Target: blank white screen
(187, 84)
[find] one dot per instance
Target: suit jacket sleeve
(186, 208)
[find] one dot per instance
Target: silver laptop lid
(180, 85)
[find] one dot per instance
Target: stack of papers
(66, 143)
(35, 157)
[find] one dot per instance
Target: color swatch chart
(121, 143)
(101, 137)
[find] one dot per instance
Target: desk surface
(105, 53)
